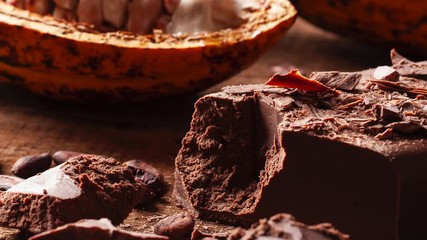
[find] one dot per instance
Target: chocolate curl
(294, 79)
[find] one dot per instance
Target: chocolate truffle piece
(280, 226)
(255, 150)
(85, 187)
(89, 229)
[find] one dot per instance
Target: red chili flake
(294, 79)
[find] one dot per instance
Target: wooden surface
(152, 131)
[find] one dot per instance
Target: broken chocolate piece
(340, 80)
(93, 229)
(6, 182)
(407, 67)
(29, 166)
(176, 227)
(245, 157)
(86, 186)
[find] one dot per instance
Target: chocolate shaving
(407, 67)
(398, 87)
(339, 80)
(294, 79)
(405, 126)
(350, 105)
(388, 133)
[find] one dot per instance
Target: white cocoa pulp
(53, 182)
(195, 16)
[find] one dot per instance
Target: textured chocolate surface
(93, 229)
(355, 160)
(105, 188)
(280, 226)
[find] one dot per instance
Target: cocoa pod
(380, 22)
(75, 62)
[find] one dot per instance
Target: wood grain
(152, 131)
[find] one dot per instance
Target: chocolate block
(353, 160)
(90, 229)
(85, 187)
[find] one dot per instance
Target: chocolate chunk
(339, 80)
(407, 67)
(149, 176)
(388, 113)
(176, 227)
(386, 73)
(29, 166)
(84, 187)
(91, 230)
(7, 182)
(245, 157)
(60, 157)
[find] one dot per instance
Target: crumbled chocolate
(339, 80)
(86, 186)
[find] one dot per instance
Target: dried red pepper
(294, 79)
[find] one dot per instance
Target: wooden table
(152, 131)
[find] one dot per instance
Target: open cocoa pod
(69, 60)
(400, 24)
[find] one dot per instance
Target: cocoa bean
(115, 12)
(42, 7)
(171, 5)
(17, 3)
(176, 227)
(90, 11)
(67, 15)
(67, 4)
(7, 182)
(29, 166)
(61, 157)
(148, 175)
(143, 15)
